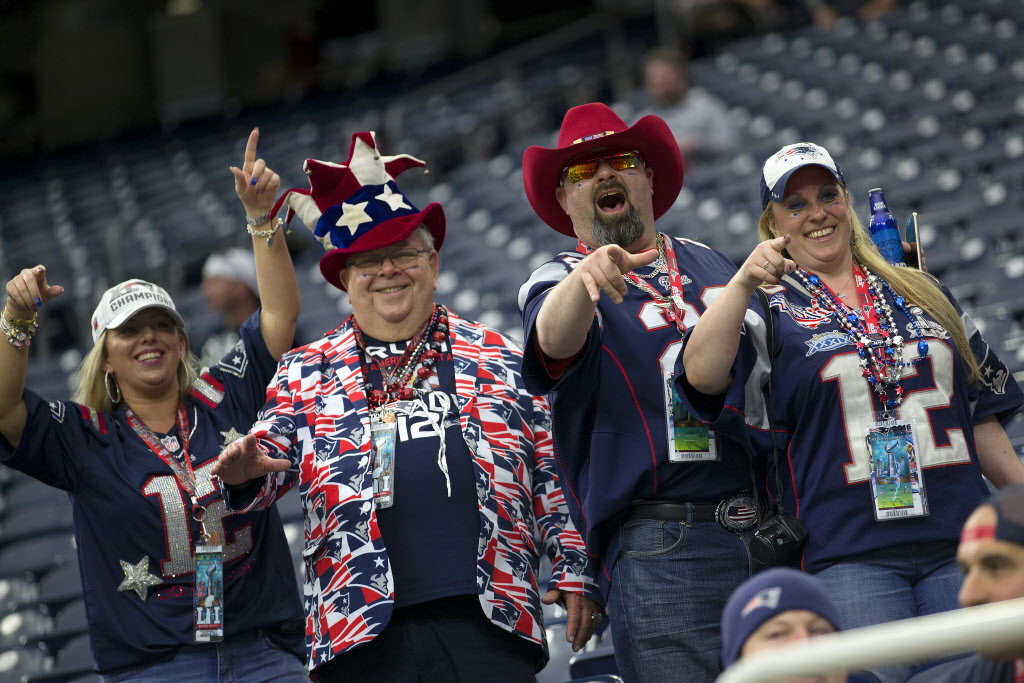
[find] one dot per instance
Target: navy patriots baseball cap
(765, 595)
(780, 166)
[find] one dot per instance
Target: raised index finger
(250, 151)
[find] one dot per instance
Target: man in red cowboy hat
(662, 502)
(424, 465)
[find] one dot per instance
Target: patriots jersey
(609, 413)
(823, 406)
(129, 508)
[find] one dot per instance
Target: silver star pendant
(137, 577)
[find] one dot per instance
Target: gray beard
(623, 230)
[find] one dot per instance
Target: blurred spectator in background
(991, 555)
(780, 607)
(229, 289)
(700, 122)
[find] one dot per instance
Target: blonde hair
(92, 389)
(910, 283)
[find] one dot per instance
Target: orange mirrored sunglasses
(583, 168)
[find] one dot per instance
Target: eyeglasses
(585, 168)
(401, 259)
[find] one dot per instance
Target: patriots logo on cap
(769, 598)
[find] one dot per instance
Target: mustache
(611, 184)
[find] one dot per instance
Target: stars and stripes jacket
(317, 417)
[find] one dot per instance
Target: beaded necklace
(415, 365)
(875, 334)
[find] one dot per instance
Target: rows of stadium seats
(926, 104)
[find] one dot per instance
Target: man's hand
(602, 270)
(243, 460)
(583, 618)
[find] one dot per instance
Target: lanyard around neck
(182, 467)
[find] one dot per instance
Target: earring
(853, 239)
(107, 381)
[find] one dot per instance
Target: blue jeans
(668, 589)
(894, 583)
(243, 659)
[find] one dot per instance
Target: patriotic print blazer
(317, 417)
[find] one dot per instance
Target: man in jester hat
(424, 465)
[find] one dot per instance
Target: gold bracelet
(19, 333)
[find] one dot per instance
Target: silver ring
(596, 617)
(765, 265)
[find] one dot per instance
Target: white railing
(997, 625)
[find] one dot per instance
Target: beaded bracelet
(18, 332)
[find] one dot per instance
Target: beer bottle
(885, 232)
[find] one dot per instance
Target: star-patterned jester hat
(357, 206)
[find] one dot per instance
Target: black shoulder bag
(780, 535)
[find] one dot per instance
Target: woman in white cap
(175, 588)
(887, 402)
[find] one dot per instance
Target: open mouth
(824, 232)
(390, 290)
(149, 356)
(611, 200)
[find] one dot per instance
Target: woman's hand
(27, 291)
(766, 264)
(255, 184)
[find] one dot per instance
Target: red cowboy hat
(593, 126)
(357, 206)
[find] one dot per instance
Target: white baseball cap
(233, 264)
(780, 166)
(121, 302)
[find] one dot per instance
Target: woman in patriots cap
(869, 360)
(135, 452)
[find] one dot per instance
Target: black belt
(734, 513)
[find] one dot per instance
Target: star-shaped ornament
(137, 577)
(393, 199)
(353, 215)
(230, 436)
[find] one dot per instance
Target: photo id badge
(689, 439)
(208, 591)
(384, 426)
(897, 484)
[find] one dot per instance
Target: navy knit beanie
(767, 594)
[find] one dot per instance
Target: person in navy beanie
(777, 607)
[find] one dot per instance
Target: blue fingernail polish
(39, 302)
(253, 181)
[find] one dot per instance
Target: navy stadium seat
(60, 586)
(18, 628)
(31, 558)
(73, 660)
(598, 661)
(21, 664)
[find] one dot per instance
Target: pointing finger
(250, 151)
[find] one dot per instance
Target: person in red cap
(424, 465)
(991, 556)
(664, 505)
